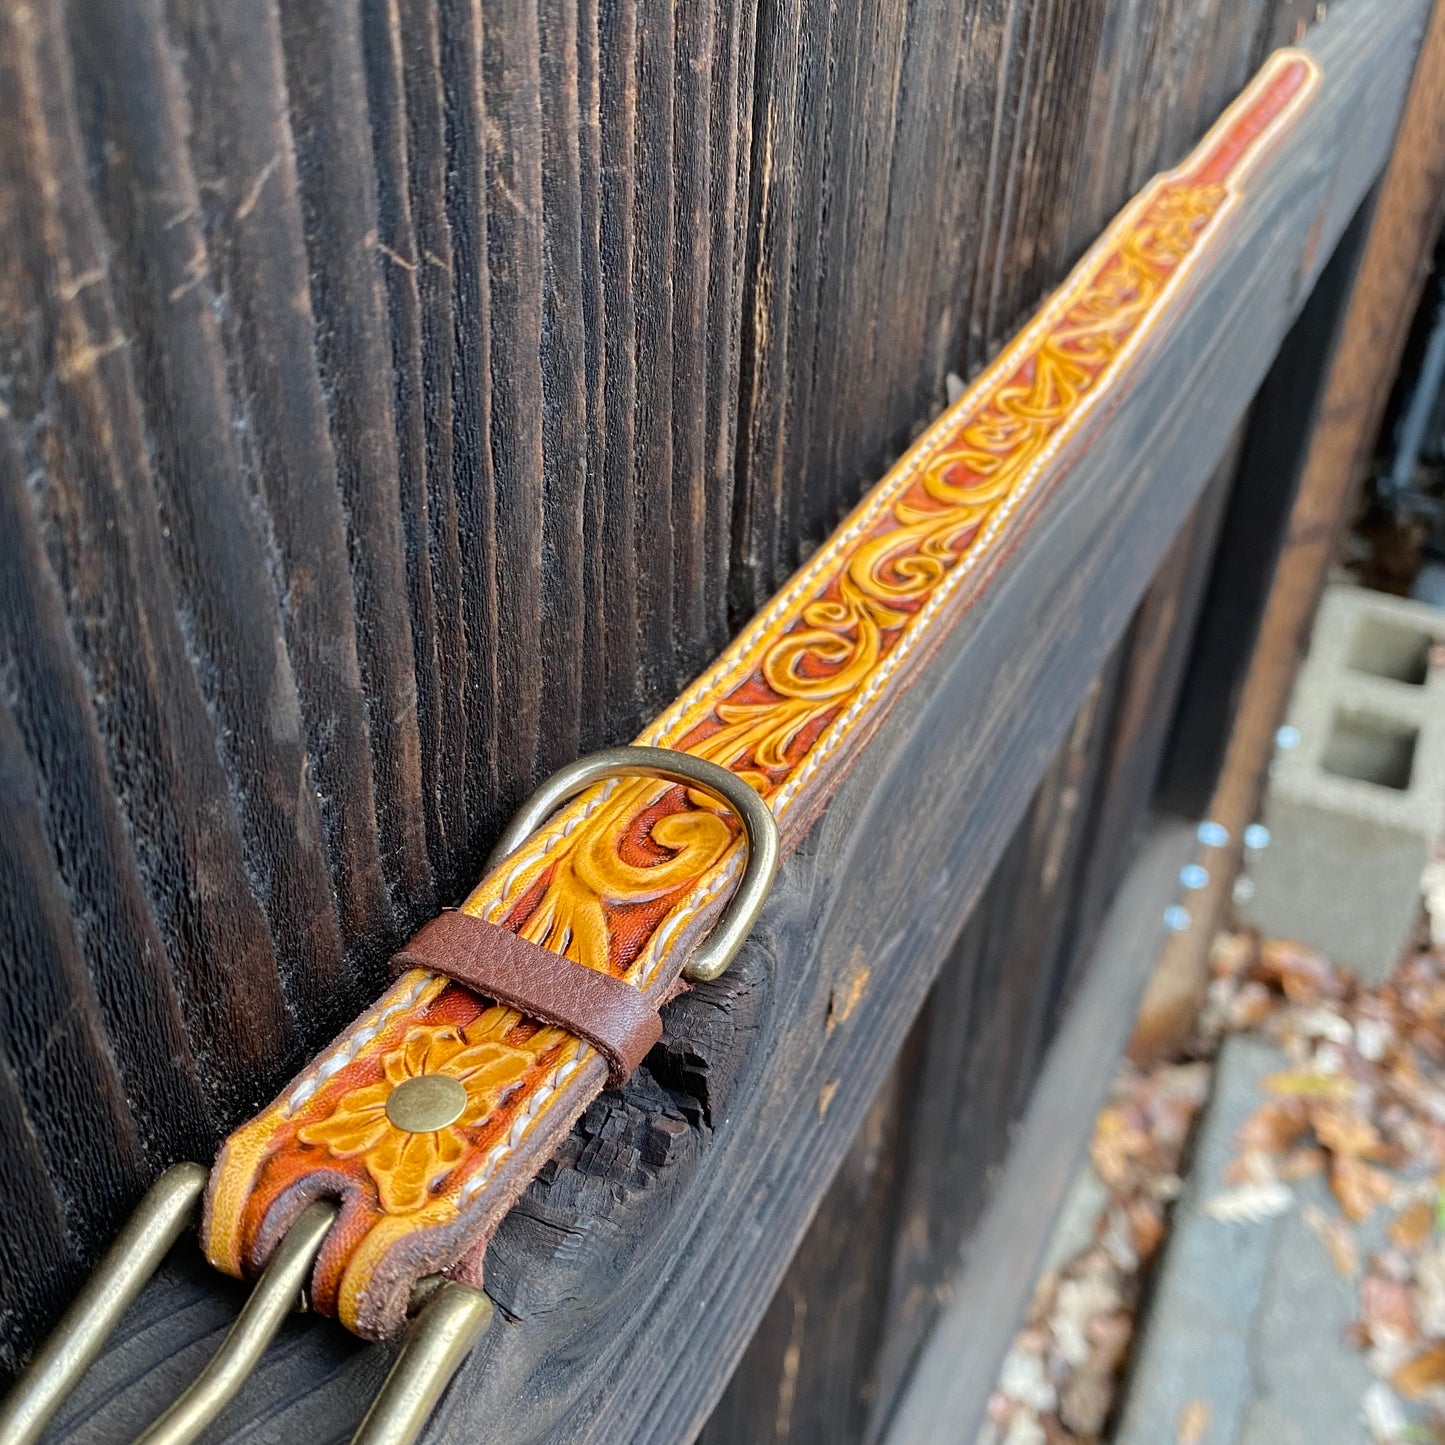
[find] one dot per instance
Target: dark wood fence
(881, 1259)
(399, 397)
(882, 1255)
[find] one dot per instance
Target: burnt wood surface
(859, 1293)
(633, 1273)
(840, 1338)
(948, 1392)
(397, 397)
(1275, 442)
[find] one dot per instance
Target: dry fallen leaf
(1252, 1167)
(1345, 1130)
(1084, 1402)
(1114, 1146)
(1430, 1290)
(1387, 1308)
(1193, 1422)
(1023, 1429)
(1308, 1084)
(1110, 1335)
(1022, 1377)
(1079, 1300)
(1412, 1225)
(1301, 972)
(1358, 1187)
(1372, 1037)
(1231, 953)
(1273, 1127)
(1424, 1373)
(1250, 1007)
(1323, 1022)
(1336, 1239)
(1146, 1225)
(1301, 1163)
(1432, 1005)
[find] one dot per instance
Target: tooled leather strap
(628, 878)
(498, 964)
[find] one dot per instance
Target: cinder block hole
(1370, 749)
(1390, 649)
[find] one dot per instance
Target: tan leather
(611, 1015)
(629, 876)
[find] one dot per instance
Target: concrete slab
(1248, 1317)
(1308, 1380)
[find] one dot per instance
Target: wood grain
(631, 1277)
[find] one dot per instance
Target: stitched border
(743, 656)
(1233, 151)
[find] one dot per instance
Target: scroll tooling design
(629, 876)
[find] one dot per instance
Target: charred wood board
(232, 792)
(953, 1379)
(879, 1262)
(630, 1278)
(866, 1284)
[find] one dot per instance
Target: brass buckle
(449, 1317)
(760, 830)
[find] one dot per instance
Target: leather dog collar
(627, 879)
(383, 1168)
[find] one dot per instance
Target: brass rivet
(427, 1102)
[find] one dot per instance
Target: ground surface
(1269, 1268)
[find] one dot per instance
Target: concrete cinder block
(1355, 807)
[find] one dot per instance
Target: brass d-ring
(450, 1320)
(759, 829)
(441, 1336)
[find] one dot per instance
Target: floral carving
(616, 878)
(406, 1168)
(807, 674)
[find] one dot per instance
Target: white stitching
(545, 1091)
(549, 837)
(346, 1053)
(744, 649)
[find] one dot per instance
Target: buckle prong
(439, 1339)
(277, 1293)
(760, 829)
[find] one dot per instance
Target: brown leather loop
(611, 1015)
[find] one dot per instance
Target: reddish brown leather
(611, 1015)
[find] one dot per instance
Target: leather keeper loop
(611, 1015)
